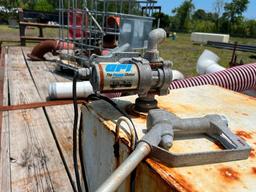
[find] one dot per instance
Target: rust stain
(254, 170)
(109, 124)
(141, 120)
(66, 144)
(171, 177)
(245, 114)
(95, 132)
(244, 135)
(252, 153)
(123, 137)
(179, 108)
(229, 174)
(26, 116)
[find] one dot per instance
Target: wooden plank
(60, 117)
(36, 38)
(5, 174)
(38, 24)
(36, 163)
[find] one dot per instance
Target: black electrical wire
(80, 145)
(75, 105)
(75, 160)
(111, 102)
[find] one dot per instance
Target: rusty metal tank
(99, 118)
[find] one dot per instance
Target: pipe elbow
(208, 63)
(38, 52)
(177, 75)
(156, 37)
(160, 126)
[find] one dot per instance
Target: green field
(182, 52)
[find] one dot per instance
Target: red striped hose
(239, 79)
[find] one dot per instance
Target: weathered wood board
(5, 174)
(60, 117)
(36, 163)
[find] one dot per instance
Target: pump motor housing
(132, 75)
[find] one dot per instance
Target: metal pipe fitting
(38, 52)
(124, 170)
(160, 126)
(156, 37)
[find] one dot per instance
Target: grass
(182, 52)
(12, 34)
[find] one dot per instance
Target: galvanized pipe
(124, 170)
(156, 37)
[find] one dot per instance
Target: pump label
(117, 68)
(120, 76)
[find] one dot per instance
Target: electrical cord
(75, 163)
(134, 136)
(132, 133)
(111, 102)
(81, 155)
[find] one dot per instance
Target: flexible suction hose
(208, 63)
(237, 79)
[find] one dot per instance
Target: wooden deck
(36, 144)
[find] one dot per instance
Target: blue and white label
(120, 76)
(111, 68)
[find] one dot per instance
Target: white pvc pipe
(208, 63)
(177, 75)
(65, 90)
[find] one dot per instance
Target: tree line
(225, 18)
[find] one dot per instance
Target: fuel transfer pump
(149, 76)
(146, 76)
